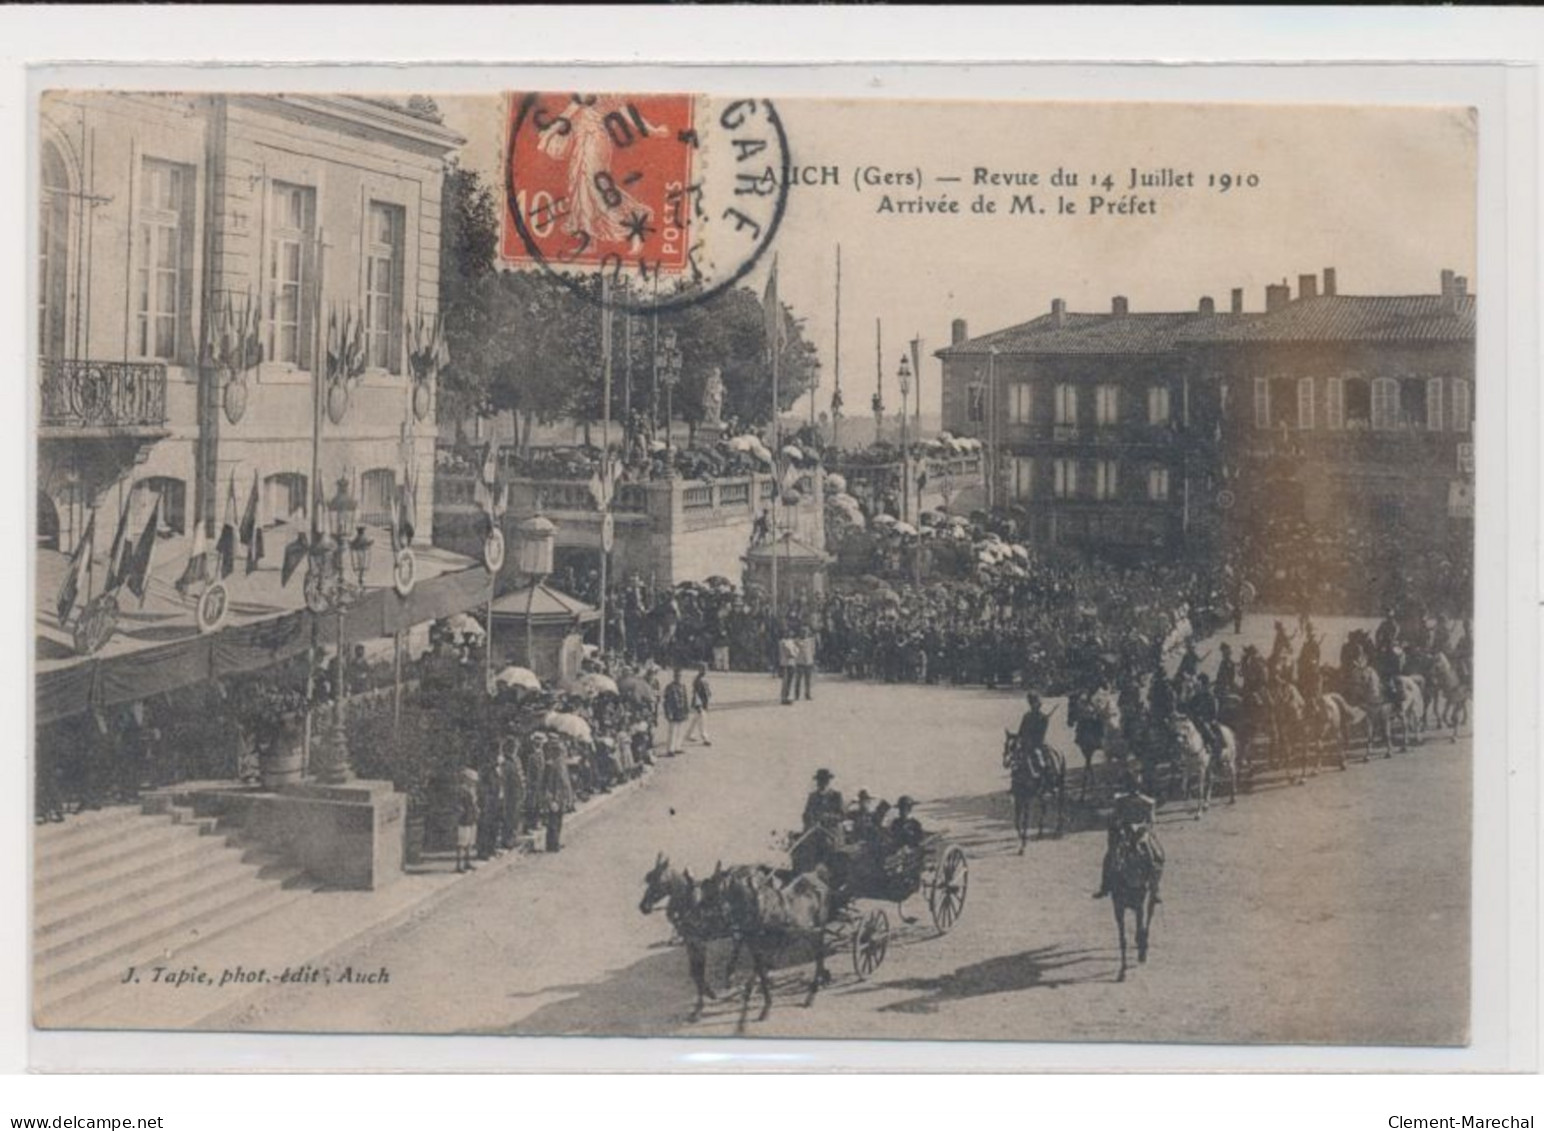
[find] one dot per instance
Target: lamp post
(330, 590)
(667, 364)
(534, 539)
(903, 378)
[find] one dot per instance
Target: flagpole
(777, 446)
(605, 446)
(318, 361)
(836, 412)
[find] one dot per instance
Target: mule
(768, 917)
(1027, 783)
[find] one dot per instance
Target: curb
(221, 1019)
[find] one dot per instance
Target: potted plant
(272, 711)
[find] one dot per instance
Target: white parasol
(571, 725)
(514, 676)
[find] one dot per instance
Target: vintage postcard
(634, 564)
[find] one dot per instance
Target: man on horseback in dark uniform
(1131, 830)
(1226, 683)
(1202, 710)
(1190, 662)
(1032, 731)
(1387, 634)
(1281, 647)
(1308, 660)
(1253, 671)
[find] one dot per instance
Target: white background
(1506, 846)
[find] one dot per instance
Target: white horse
(1451, 692)
(1411, 704)
(1197, 763)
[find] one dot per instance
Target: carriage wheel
(946, 895)
(870, 942)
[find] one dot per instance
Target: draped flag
(116, 557)
(74, 576)
(252, 526)
(197, 569)
(225, 547)
(294, 554)
(402, 514)
(772, 315)
(137, 575)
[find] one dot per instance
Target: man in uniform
(1202, 709)
(1387, 634)
(1281, 647)
(1253, 671)
(1131, 822)
(1032, 731)
(905, 831)
(1308, 671)
(1226, 682)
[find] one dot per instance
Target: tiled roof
(1094, 334)
(1351, 318)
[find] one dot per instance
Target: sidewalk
(309, 932)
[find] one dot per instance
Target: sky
(1384, 195)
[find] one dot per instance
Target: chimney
(1238, 300)
(1118, 305)
(1447, 283)
(1058, 311)
(1329, 282)
(1308, 286)
(1460, 286)
(957, 332)
(1207, 305)
(1277, 295)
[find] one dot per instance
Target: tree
(468, 247)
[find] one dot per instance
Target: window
(162, 262)
(1105, 479)
(1066, 478)
(1358, 403)
(377, 489)
(1262, 402)
(1334, 403)
(1305, 402)
(174, 501)
(53, 251)
(1158, 484)
(1066, 404)
(291, 225)
(1020, 402)
(383, 287)
(1022, 470)
(1158, 404)
(1385, 403)
(1463, 400)
(1107, 404)
(284, 496)
(975, 409)
(1434, 404)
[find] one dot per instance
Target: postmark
(668, 198)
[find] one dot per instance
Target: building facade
(1120, 430)
(170, 227)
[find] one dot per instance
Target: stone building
(1124, 430)
(164, 219)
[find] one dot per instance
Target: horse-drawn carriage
(864, 867)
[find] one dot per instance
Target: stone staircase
(137, 887)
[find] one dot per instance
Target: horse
(1134, 889)
(1096, 726)
(1027, 783)
(1199, 764)
(1330, 720)
(1409, 696)
(696, 911)
(1365, 692)
(1452, 691)
(767, 917)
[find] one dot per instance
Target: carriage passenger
(823, 807)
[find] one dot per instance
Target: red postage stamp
(594, 180)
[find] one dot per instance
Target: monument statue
(713, 397)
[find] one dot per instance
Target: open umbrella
(514, 676)
(571, 725)
(836, 483)
(905, 529)
(636, 689)
(791, 451)
(464, 624)
(597, 683)
(884, 520)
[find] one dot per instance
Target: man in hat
(1202, 709)
(1253, 671)
(861, 816)
(1308, 671)
(555, 792)
(1226, 681)
(1281, 646)
(1131, 828)
(1033, 725)
(677, 709)
(468, 813)
(905, 831)
(823, 807)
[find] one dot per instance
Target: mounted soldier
(1226, 682)
(1309, 676)
(1033, 727)
(1131, 831)
(1202, 710)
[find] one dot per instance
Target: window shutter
(1434, 403)
(1262, 402)
(1305, 405)
(1334, 403)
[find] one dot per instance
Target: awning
(547, 606)
(157, 647)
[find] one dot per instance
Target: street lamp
(328, 590)
(667, 364)
(534, 538)
(903, 377)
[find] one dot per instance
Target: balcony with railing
(82, 398)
